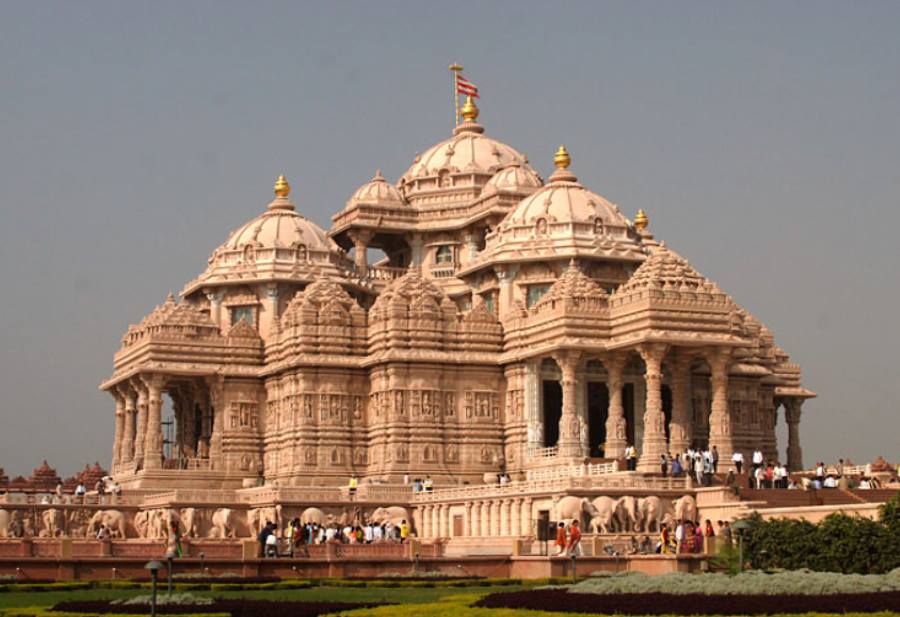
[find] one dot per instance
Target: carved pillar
(270, 308)
(570, 433)
(792, 410)
(504, 517)
(720, 430)
(425, 523)
(682, 425)
(525, 525)
(215, 306)
(485, 518)
(495, 518)
(119, 434)
(141, 424)
(445, 521)
(471, 248)
(475, 525)
(616, 429)
(416, 244)
(467, 520)
(654, 440)
(153, 440)
(515, 515)
(361, 239)
(126, 453)
(217, 400)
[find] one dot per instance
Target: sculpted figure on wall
(608, 517)
(630, 514)
(391, 514)
(191, 520)
(53, 523)
(224, 524)
(113, 520)
(685, 509)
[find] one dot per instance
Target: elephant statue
(224, 524)
(391, 514)
(607, 519)
(191, 519)
(572, 508)
(685, 509)
(158, 523)
(654, 512)
(630, 518)
(112, 519)
(258, 517)
(142, 523)
(54, 523)
(312, 515)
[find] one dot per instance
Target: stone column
(495, 518)
(153, 440)
(720, 430)
(681, 432)
(504, 517)
(217, 400)
(485, 518)
(616, 427)
(475, 525)
(361, 239)
(119, 433)
(515, 515)
(570, 442)
(445, 521)
(215, 306)
(525, 524)
(792, 410)
(467, 520)
(141, 424)
(416, 244)
(432, 525)
(654, 443)
(126, 453)
(426, 521)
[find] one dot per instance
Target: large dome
(278, 244)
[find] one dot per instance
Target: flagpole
(455, 68)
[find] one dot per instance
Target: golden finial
(469, 111)
(282, 188)
(640, 220)
(561, 159)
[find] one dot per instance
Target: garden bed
(234, 608)
(691, 604)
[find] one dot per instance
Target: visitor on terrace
(738, 459)
(560, 538)
(676, 467)
(574, 546)
(714, 459)
(757, 460)
(664, 465)
(429, 484)
(630, 458)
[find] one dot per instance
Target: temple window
(242, 312)
(489, 302)
(444, 254)
(535, 293)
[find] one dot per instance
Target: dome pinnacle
(282, 188)
(640, 220)
(561, 159)
(469, 111)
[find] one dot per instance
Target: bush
(840, 543)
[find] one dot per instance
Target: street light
(154, 567)
(741, 526)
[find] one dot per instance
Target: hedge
(839, 543)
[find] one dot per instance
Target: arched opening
(552, 411)
(598, 411)
(666, 395)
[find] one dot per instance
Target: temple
(511, 325)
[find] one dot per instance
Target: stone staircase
(782, 498)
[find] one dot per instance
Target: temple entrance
(628, 405)
(552, 412)
(598, 411)
(667, 408)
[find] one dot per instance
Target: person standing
(404, 531)
(664, 465)
(714, 459)
(630, 458)
(757, 460)
(263, 537)
(560, 538)
(174, 549)
(352, 486)
(738, 459)
(574, 546)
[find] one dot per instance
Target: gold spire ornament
(282, 188)
(469, 111)
(561, 159)
(640, 220)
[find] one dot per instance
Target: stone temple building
(514, 324)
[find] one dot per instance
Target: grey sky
(762, 139)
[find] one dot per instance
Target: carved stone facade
(511, 325)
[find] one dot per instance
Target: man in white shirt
(377, 533)
(757, 460)
(738, 459)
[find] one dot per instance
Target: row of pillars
(138, 437)
(489, 517)
(655, 444)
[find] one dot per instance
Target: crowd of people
(298, 535)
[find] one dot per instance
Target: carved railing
(51, 499)
(577, 471)
(535, 452)
(384, 273)
(439, 271)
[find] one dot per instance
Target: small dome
(375, 192)
(515, 179)
(278, 229)
(565, 200)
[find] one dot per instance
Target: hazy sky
(762, 139)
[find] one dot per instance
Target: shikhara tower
(513, 324)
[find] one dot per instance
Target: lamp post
(154, 567)
(169, 564)
(741, 526)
